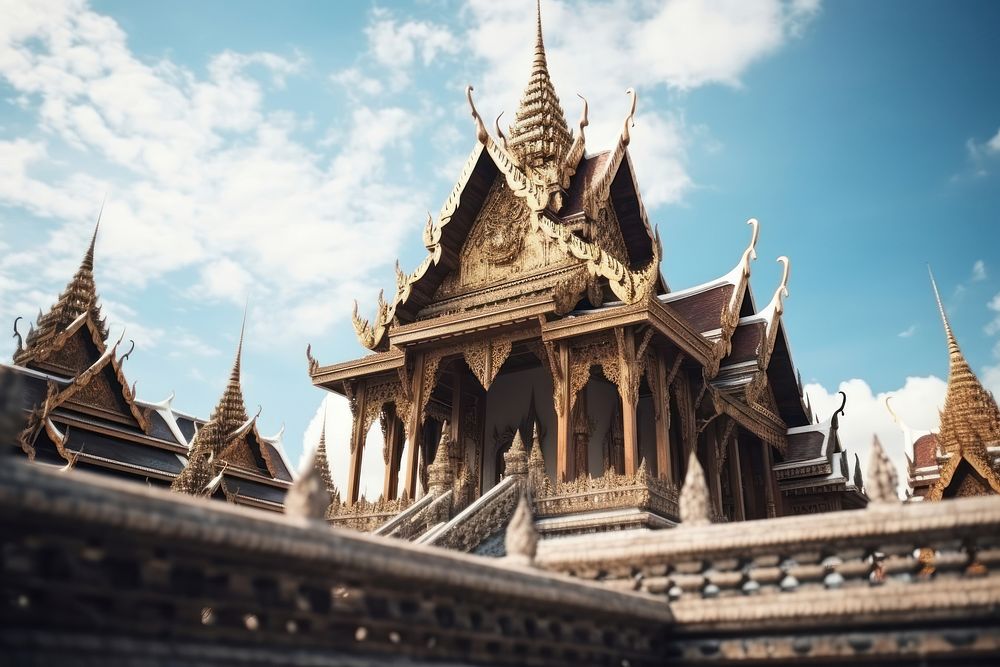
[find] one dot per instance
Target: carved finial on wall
(440, 475)
(308, 497)
(521, 541)
(881, 476)
(516, 458)
(694, 503)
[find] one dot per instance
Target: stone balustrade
(98, 571)
(893, 579)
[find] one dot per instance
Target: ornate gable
(500, 247)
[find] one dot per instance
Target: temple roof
(539, 137)
(77, 299)
(970, 419)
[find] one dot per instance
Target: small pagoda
(963, 457)
(539, 328)
(81, 413)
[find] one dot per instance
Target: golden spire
(78, 297)
(540, 137)
(970, 418)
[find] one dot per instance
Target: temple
(81, 411)
(538, 337)
(963, 457)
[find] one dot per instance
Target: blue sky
(288, 153)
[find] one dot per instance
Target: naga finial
(630, 118)
(584, 120)
(750, 253)
(125, 356)
(481, 134)
(400, 278)
(17, 334)
(839, 412)
(313, 364)
(781, 293)
(429, 232)
(500, 134)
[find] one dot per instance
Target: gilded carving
(610, 491)
(486, 356)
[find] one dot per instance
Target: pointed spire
(78, 297)
(309, 497)
(440, 474)
(516, 458)
(521, 540)
(970, 418)
(694, 503)
(321, 462)
(540, 137)
(882, 477)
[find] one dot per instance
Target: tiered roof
(970, 421)
(81, 410)
(539, 137)
(77, 299)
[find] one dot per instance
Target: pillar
(629, 394)
(394, 443)
(358, 436)
(414, 427)
(768, 472)
(564, 416)
(736, 479)
(712, 467)
(664, 469)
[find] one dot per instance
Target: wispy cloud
(978, 271)
(908, 331)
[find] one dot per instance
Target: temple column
(712, 467)
(414, 427)
(394, 443)
(358, 436)
(664, 469)
(736, 479)
(751, 494)
(768, 472)
(564, 415)
(629, 392)
(457, 446)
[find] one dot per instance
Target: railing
(98, 571)
(890, 580)
(486, 516)
(610, 491)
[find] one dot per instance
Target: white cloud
(908, 331)
(917, 403)
(397, 44)
(978, 271)
(993, 145)
(354, 81)
(599, 48)
(993, 327)
(206, 186)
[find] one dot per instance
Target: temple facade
(538, 337)
(82, 413)
(963, 457)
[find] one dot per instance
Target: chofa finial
(481, 134)
(584, 119)
(839, 412)
(630, 118)
(750, 253)
(500, 134)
